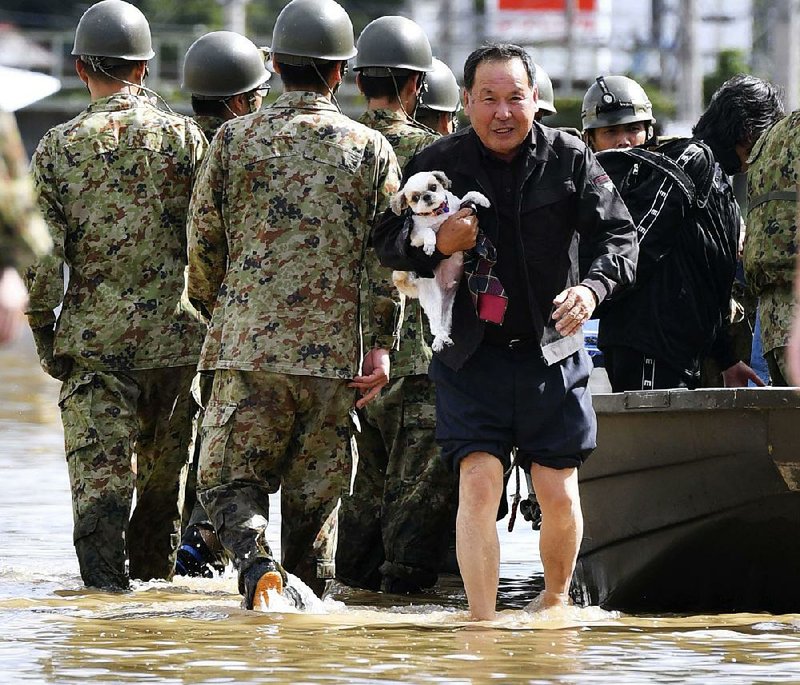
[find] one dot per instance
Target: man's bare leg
(561, 533)
(477, 545)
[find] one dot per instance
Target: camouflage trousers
(193, 512)
(395, 527)
(109, 417)
(263, 431)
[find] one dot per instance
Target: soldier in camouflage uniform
(546, 102)
(114, 186)
(23, 233)
(440, 100)
(227, 78)
(277, 233)
(770, 250)
(383, 541)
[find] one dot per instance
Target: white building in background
(576, 41)
(608, 36)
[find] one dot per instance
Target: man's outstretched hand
(574, 306)
(375, 375)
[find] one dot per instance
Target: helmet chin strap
(97, 64)
(227, 106)
(412, 116)
(331, 92)
(421, 88)
(251, 101)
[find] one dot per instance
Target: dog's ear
(442, 178)
(398, 203)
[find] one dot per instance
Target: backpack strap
(695, 190)
(703, 187)
(773, 196)
(673, 177)
(674, 170)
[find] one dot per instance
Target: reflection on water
(193, 631)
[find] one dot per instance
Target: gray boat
(692, 502)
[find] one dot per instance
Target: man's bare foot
(548, 600)
(478, 619)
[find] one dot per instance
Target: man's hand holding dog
(458, 233)
(574, 307)
(375, 375)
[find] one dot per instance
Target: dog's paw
(406, 283)
(476, 197)
(440, 342)
(429, 248)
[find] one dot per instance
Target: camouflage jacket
(23, 233)
(114, 185)
(411, 353)
(770, 246)
(278, 228)
(209, 124)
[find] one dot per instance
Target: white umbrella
(20, 87)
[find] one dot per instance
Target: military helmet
(223, 64)
(614, 100)
(546, 97)
(441, 91)
(393, 43)
(114, 29)
(309, 30)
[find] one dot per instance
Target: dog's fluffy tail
(406, 283)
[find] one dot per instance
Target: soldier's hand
(59, 366)
(458, 232)
(375, 375)
(13, 300)
(793, 349)
(739, 374)
(574, 306)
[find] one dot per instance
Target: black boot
(263, 575)
(200, 554)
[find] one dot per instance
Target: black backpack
(659, 191)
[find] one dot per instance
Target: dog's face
(424, 193)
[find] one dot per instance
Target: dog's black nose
(427, 197)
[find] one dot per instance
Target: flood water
(193, 631)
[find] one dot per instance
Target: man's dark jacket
(566, 197)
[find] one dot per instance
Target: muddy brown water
(193, 631)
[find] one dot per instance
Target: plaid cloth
(488, 294)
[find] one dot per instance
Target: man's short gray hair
(502, 52)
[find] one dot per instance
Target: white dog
(430, 201)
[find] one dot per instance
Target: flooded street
(193, 631)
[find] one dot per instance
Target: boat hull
(692, 503)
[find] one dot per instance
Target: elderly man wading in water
(516, 376)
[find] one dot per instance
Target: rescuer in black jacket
(657, 334)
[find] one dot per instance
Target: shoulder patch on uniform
(603, 181)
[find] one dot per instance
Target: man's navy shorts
(503, 398)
